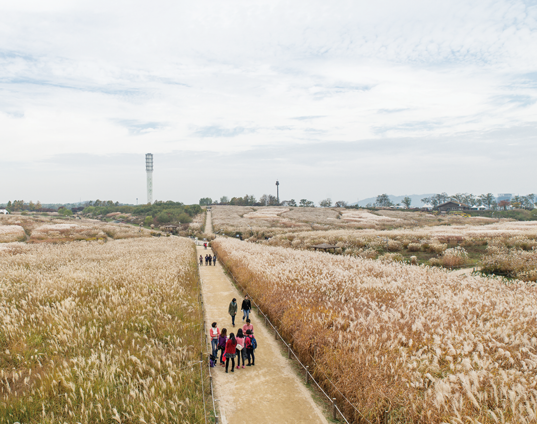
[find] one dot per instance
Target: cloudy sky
(340, 99)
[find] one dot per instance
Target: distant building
(504, 196)
(452, 206)
(4, 212)
(479, 208)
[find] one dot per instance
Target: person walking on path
(249, 346)
(214, 259)
(210, 260)
(246, 307)
(222, 340)
(248, 327)
(233, 310)
(231, 351)
(241, 352)
(214, 332)
(201, 260)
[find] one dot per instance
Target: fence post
(307, 375)
(275, 334)
(265, 320)
(385, 417)
(334, 410)
(289, 352)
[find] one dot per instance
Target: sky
(339, 99)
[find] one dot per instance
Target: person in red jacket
(231, 351)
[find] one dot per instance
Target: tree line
(268, 200)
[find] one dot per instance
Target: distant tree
(528, 202)
(65, 212)
(383, 200)
(263, 200)
(291, 202)
(407, 201)
(163, 218)
(487, 200)
(427, 201)
(249, 200)
(38, 205)
(272, 200)
(305, 203)
(9, 206)
(326, 203)
(224, 200)
(31, 206)
(148, 220)
(341, 204)
(503, 204)
(204, 201)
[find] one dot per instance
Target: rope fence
(308, 376)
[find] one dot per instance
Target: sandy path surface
(464, 271)
(267, 393)
(209, 223)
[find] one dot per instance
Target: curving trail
(268, 393)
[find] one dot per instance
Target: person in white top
(214, 332)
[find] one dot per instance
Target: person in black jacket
(246, 307)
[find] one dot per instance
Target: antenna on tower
(149, 170)
(278, 191)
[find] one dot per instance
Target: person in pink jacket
(248, 326)
(241, 352)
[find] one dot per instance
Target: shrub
(437, 247)
(391, 257)
(394, 246)
(515, 263)
(455, 256)
(414, 247)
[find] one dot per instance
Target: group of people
(246, 307)
(209, 260)
(241, 346)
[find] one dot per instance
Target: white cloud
(231, 77)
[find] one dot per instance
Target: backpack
(254, 343)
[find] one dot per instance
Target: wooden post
(275, 334)
(385, 417)
(288, 352)
(334, 410)
(265, 320)
(307, 375)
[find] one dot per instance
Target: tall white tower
(149, 170)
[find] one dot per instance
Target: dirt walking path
(464, 271)
(267, 393)
(209, 223)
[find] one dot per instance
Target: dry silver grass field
(100, 332)
(426, 345)
(41, 229)
(254, 221)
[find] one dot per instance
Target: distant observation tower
(149, 170)
(278, 191)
